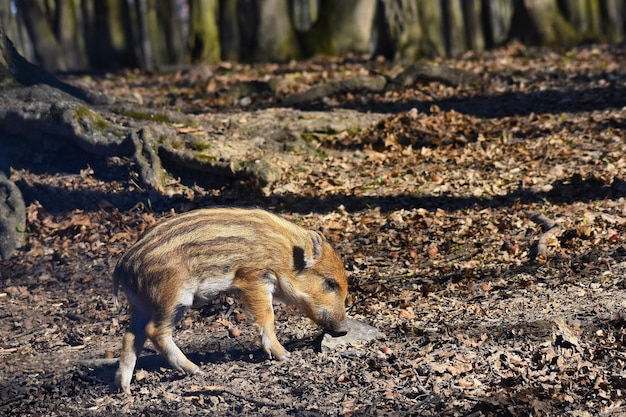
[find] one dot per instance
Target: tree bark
(174, 38)
(304, 14)
(71, 34)
(204, 43)
(12, 208)
(455, 27)
(549, 25)
(342, 27)
(230, 31)
(584, 16)
(143, 34)
(474, 35)
(109, 38)
(148, 33)
(498, 21)
(276, 37)
(614, 15)
(39, 22)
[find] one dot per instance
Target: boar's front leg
(256, 295)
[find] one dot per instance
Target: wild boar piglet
(187, 259)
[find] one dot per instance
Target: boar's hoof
(284, 357)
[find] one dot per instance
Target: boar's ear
(316, 241)
(307, 257)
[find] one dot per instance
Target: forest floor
(434, 209)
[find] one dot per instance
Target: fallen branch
(349, 85)
(549, 237)
(421, 73)
(417, 73)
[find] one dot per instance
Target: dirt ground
(487, 311)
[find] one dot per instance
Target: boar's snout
(337, 329)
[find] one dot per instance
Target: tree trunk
(204, 43)
(230, 31)
(12, 207)
(431, 20)
(614, 15)
(71, 35)
(38, 20)
(174, 37)
(475, 38)
(342, 27)
(143, 34)
(498, 21)
(276, 37)
(109, 37)
(455, 28)
(77, 34)
(304, 13)
(584, 16)
(155, 24)
(549, 26)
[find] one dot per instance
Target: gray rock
(358, 333)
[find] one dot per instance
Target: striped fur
(187, 259)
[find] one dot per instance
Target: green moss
(142, 115)
(309, 137)
(97, 121)
(321, 154)
(206, 158)
(354, 130)
(175, 144)
(200, 145)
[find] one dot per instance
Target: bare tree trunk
(548, 25)
(584, 16)
(230, 31)
(174, 37)
(108, 29)
(12, 207)
(248, 15)
(75, 34)
(304, 13)
(415, 28)
(71, 35)
(498, 21)
(431, 20)
(614, 15)
(147, 59)
(204, 43)
(455, 28)
(276, 37)
(343, 26)
(39, 18)
(156, 20)
(475, 38)
(9, 22)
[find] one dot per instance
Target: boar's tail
(116, 285)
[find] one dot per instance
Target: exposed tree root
(417, 73)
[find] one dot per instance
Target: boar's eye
(331, 284)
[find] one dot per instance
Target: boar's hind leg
(132, 345)
(159, 331)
